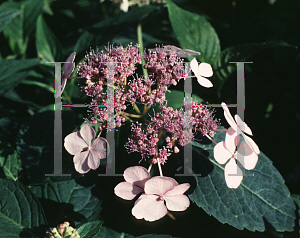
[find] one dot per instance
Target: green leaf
(46, 7)
(32, 9)
(14, 29)
(36, 148)
(175, 99)
(84, 40)
(90, 229)
(6, 15)
(11, 165)
(96, 230)
(136, 14)
(21, 27)
(259, 198)
(296, 198)
(21, 214)
(67, 200)
(47, 45)
(239, 53)
(13, 71)
(194, 32)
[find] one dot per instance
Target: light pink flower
(202, 71)
(136, 178)
(239, 126)
(87, 151)
(158, 190)
(226, 150)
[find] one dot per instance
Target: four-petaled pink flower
(158, 190)
(239, 126)
(136, 178)
(87, 151)
(225, 150)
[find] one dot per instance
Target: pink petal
(101, 147)
(221, 154)
(80, 162)
(63, 83)
(204, 81)
(228, 116)
(127, 191)
(246, 156)
(231, 139)
(74, 143)
(93, 160)
(149, 207)
(253, 146)
(177, 203)
(68, 68)
(233, 174)
(178, 190)
(137, 175)
(159, 185)
(205, 70)
(87, 133)
(242, 125)
(194, 66)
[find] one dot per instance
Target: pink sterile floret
(136, 178)
(226, 150)
(151, 206)
(87, 151)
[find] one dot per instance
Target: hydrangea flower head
(63, 230)
(86, 149)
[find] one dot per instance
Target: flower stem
(136, 108)
(221, 130)
(131, 115)
(159, 167)
(149, 168)
(140, 41)
(127, 118)
(146, 108)
(210, 138)
(170, 215)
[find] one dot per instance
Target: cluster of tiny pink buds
(141, 142)
(95, 70)
(95, 66)
(165, 66)
(100, 114)
(177, 124)
(203, 119)
(163, 155)
(140, 89)
(172, 122)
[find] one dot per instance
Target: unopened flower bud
(176, 150)
(68, 231)
(153, 161)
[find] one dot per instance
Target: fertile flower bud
(63, 231)
(176, 150)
